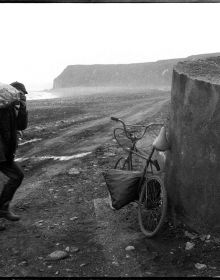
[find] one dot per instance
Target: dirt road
(81, 138)
(63, 200)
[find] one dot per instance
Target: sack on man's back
(8, 95)
(122, 186)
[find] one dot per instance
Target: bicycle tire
(147, 207)
(122, 164)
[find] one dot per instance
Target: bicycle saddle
(161, 143)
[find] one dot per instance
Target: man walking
(12, 120)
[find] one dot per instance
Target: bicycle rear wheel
(152, 206)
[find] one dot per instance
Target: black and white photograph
(110, 139)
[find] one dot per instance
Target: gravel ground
(64, 204)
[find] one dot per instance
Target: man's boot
(7, 214)
(2, 228)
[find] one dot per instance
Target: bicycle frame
(148, 183)
(149, 160)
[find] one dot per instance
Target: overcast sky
(39, 40)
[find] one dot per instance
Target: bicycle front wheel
(152, 206)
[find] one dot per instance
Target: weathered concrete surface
(193, 165)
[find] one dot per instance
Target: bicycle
(152, 202)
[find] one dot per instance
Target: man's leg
(15, 175)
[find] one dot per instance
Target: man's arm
(22, 118)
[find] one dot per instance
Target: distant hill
(150, 74)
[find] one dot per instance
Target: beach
(63, 200)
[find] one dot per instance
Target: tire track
(136, 113)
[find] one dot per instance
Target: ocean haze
(36, 95)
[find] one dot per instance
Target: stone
(109, 154)
(212, 267)
(148, 273)
(208, 236)
(57, 255)
(74, 249)
(189, 245)
(73, 218)
(74, 171)
(200, 266)
(154, 255)
(190, 235)
(203, 237)
(15, 251)
(129, 248)
(23, 263)
(216, 240)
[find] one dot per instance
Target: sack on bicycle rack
(122, 186)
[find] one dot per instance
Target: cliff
(150, 75)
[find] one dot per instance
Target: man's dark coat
(10, 123)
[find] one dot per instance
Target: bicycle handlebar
(115, 119)
(125, 129)
(124, 125)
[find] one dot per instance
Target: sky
(38, 41)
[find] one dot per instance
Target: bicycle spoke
(151, 219)
(151, 223)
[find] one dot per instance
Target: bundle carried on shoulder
(123, 186)
(8, 95)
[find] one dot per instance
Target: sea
(37, 95)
